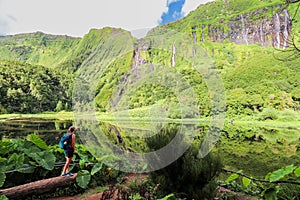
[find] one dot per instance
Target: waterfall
(151, 67)
(214, 35)
(202, 34)
(195, 37)
(286, 29)
(219, 35)
(173, 54)
(123, 83)
(136, 58)
(277, 31)
(244, 30)
(261, 33)
(195, 42)
(115, 102)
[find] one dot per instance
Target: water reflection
(255, 150)
(49, 130)
(259, 150)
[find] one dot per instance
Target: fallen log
(38, 187)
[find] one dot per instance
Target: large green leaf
(96, 168)
(83, 178)
(246, 181)
(29, 148)
(10, 164)
(20, 161)
(232, 177)
(45, 158)
(2, 178)
(281, 173)
(15, 161)
(297, 172)
(5, 147)
(267, 177)
(2, 164)
(38, 141)
(26, 168)
(82, 163)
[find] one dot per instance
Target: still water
(49, 130)
(255, 150)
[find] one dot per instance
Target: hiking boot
(70, 173)
(65, 175)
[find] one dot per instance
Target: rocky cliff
(249, 28)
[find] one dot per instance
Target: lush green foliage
(28, 88)
(37, 73)
(24, 161)
(190, 175)
(36, 48)
(273, 186)
(253, 77)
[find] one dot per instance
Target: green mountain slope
(237, 39)
(36, 48)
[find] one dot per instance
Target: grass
(45, 115)
(132, 116)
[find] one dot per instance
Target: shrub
(268, 113)
(189, 176)
(288, 115)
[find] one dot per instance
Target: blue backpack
(65, 141)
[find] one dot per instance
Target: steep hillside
(114, 71)
(37, 48)
(242, 38)
(59, 57)
(268, 23)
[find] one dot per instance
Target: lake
(256, 150)
(49, 130)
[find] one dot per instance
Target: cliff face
(250, 28)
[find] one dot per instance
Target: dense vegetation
(26, 88)
(41, 72)
(31, 159)
(253, 77)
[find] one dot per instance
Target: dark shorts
(69, 153)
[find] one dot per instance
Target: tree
(189, 176)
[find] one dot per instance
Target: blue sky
(174, 11)
(77, 17)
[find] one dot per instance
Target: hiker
(69, 150)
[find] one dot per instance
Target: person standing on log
(69, 151)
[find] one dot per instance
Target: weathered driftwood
(38, 187)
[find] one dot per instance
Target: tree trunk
(38, 187)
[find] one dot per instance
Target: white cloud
(77, 17)
(192, 5)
